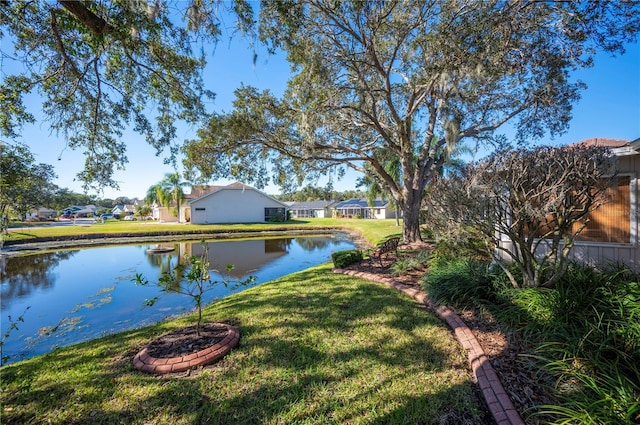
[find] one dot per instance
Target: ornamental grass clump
(586, 330)
(461, 283)
(596, 351)
(408, 263)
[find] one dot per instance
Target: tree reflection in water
(312, 244)
(25, 274)
(81, 294)
(164, 262)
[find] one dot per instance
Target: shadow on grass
(314, 348)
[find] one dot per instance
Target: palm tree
(143, 211)
(152, 194)
(170, 190)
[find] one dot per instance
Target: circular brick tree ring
(146, 363)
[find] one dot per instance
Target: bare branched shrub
(528, 205)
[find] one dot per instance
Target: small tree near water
(192, 278)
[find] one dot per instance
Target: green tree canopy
(23, 183)
(143, 211)
(103, 66)
(64, 197)
(153, 194)
(415, 78)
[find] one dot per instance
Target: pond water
(61, 298)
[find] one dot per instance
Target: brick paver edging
(145, 363)
(497, 399)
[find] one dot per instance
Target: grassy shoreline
(316, 348)
(371, 230)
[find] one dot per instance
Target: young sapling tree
(191, 278)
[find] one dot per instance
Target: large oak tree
(410, 78)
(103, 66)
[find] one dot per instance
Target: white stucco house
(168, 214)
(311, 209)
(41, 212)
(125, 209)
(235, 203)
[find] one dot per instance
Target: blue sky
(610, 108)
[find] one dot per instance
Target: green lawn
(372, 230)
(315, 348)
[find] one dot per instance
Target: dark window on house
(200, 209)
(304, 213)
(274, 214)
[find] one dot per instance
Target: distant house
(163, 214)
(118, 209)
(611, 234)
(167, 214)
(311, 209)
(125, 209)
(359, 208)
(72, 209)
(81, 210)
(41, 212)
(235, 203)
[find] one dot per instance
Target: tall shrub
(528, 205)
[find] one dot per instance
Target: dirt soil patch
(185, 341)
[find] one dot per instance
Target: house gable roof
(618, 147)
(361, 203)
(43, 209)
(200, 190)
(234, 186)
(83, 209)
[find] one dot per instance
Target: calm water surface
(64, 297)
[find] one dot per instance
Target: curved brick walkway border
(144, 362)
(500, 405)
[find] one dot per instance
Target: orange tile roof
(600, 141)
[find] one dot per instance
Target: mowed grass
(315, 348)
(372, 230)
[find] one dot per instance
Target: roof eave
(632, 148)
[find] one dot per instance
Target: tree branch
(96, 24)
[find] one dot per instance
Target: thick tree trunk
(411, 223)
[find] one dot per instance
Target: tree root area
(185, 341)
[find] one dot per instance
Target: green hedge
(344, 258)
